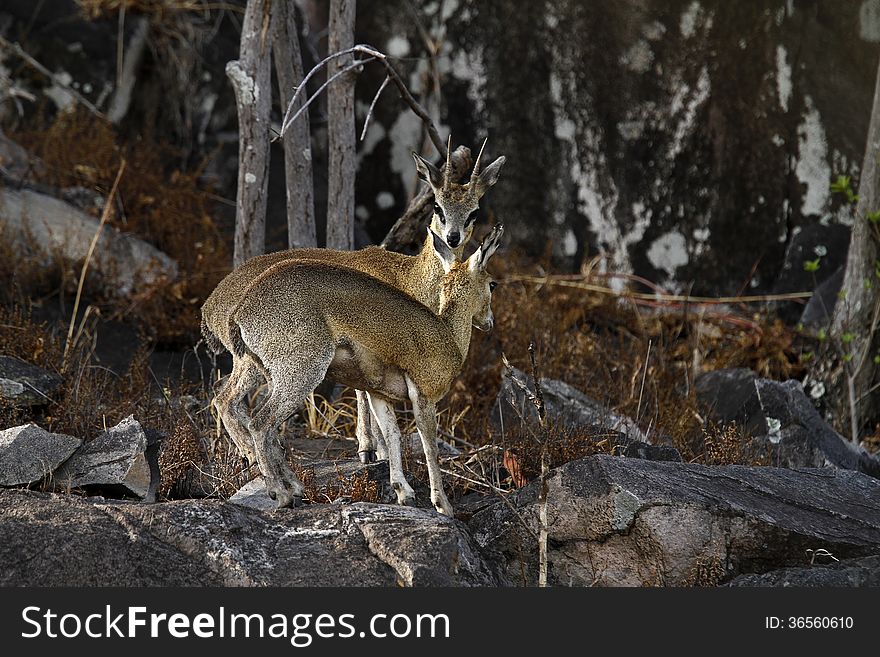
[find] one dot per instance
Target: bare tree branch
(121, 99)
(373, 105)
(297, 142)
(405, 94)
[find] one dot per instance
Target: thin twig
(372, 54)
(669, 298)
(362, 49)
(642, 387)
(105, 215)
(19, 51)
(373, 105)
(355, 64)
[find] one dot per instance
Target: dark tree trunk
(251, 80)
(297, 139)
(341, 130)
(846, 367)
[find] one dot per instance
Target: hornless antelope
(300, 321)
(419, 276)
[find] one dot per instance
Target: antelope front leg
(426, 422)
(385, 418)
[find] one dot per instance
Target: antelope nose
(453, 239)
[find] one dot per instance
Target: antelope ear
(487, 248)
(427, 171)
(442, 251)
(489, 176)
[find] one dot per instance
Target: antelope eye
(471, 218)
(439, 212)
(492, 285)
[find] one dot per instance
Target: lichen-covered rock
(628, 522)
(687, 140)
(114, 462)
(24, 384)
(61, 540)
(29, 453)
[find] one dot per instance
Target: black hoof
(367, 456)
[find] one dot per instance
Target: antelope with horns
(419, 276)
(300, 321)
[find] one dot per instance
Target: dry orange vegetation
(637, 359)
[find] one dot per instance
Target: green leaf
(821, 334)
(811, 265)
(841, 295)
(847, 358)
(841, 185)
(847, 337)
(877, 359)
(873, 217)
(806, 357)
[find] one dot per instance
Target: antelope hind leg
(229, 404)
(293, 377)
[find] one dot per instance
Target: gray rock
(28, 453)
(629, 522)
(783, 421)
(565, 405)
(819, 309)
(24, 384)
(640, 450)
(254, 495)
(45, 227)
(114, 462)
(829, 243)
(847, 573)
(724, 393)
(61, 540)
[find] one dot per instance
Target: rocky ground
(84, 513)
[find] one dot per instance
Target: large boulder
(628, 522)
(46, 227)
(29, 453)
(59, 540)
(114, 462)
(24, 384)
(564, 405)
(849, 572)
(781, 418)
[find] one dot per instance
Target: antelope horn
(476, 170)
(447, 170)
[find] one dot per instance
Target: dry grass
(600, 344)
(164, 206)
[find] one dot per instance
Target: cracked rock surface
(49, 540)
(629, 522)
